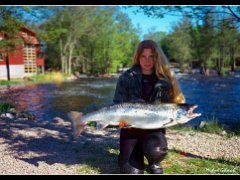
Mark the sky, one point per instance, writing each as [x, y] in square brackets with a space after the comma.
[149, 23]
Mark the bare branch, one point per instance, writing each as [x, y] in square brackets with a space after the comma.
[233, 13]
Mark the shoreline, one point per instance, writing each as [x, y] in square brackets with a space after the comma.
[32, 147]
[113, 76]
[195, 72]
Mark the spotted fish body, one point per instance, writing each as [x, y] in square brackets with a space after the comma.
[137, 115]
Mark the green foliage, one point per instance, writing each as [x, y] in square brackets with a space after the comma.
[155, 36]
[4, 106]
[211, 125]
[5, 82]
[178, 43]
[10, 24]
[213, 36]
[224, 71]
[51, 77]
[210, 63]
[183, 67]
[235, 129]
[115, 65]
[101, 39]
[182, 163]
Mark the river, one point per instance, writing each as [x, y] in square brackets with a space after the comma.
[217, 97]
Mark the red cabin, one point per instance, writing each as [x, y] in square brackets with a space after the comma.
[26, 59]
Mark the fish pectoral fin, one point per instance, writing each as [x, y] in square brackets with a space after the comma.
[168, 123]
[123, 123]
[101, 126]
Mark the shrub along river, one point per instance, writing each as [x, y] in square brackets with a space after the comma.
[217, 97]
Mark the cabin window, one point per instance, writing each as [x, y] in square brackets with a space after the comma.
[30, 65]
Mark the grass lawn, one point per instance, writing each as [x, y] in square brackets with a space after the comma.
[103, 160]
[51, 77]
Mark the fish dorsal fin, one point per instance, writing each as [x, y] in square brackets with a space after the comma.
[101, 126]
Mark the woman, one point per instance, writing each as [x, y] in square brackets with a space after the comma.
[149, 80]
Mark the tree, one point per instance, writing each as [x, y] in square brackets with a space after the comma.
[89, 39]
[214, 31]
[12, 19]
[10, 25]
[179, 43]
[203, 36]
[66, 27]
[126, 39]
[156, 36]
[196, 12]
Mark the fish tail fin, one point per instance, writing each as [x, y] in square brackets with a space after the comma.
[77, 124]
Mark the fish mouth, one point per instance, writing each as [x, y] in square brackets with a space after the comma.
[192, 114]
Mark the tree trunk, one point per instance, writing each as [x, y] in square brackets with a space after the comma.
[91, 60]
[84, 63]
[218, 63]
[71, 49]
[232, 58]
[61, 55]
[221, 60]
[70, 61]
[7, 65]
[64, 62]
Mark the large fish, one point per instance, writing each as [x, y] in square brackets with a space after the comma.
[137, 115]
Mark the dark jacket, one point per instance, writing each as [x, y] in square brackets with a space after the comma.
[129, 88]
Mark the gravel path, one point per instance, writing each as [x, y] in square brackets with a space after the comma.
[36, 148]
[30, 147]
[205, 145]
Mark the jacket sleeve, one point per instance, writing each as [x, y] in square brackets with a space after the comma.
[121, 92]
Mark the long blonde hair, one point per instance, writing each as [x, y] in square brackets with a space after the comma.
[161, 66]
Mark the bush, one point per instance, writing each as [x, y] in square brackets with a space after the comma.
[52, 77]
[12, 82]
[4, 106]
[212, 126]
[224, 71]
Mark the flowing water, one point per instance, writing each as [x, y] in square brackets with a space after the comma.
[217, 97]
